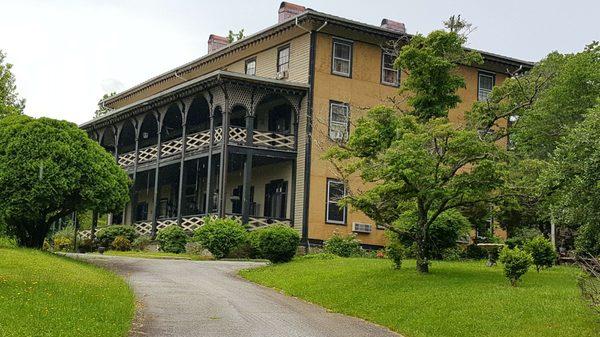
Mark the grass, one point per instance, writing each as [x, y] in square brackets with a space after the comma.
[42, 294]
[456, 299]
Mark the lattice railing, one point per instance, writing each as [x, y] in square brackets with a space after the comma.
[85, 234]
[259, 222]
[237, 135]
[147, 154]
[171, 147]
[272, 139]
[218, 134]
[127, 159]
[198, 140]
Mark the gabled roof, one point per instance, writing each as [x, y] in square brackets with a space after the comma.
[307, 16]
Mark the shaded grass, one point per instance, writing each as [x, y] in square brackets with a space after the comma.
[456, 299]
[42, 294]
[156, 255]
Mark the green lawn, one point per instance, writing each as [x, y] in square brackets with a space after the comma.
[459, 299]
[47, 295]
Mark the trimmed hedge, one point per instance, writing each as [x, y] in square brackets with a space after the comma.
[220, 236]
[107, 235]
[275, 243]
[172, 239]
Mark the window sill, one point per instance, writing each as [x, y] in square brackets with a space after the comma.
[335, 223]
[341, 74]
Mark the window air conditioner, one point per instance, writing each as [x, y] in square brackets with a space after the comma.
[281, 75]
[361, 227]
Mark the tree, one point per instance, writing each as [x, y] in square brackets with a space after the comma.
[423, 167]
[232, 37]
[572, 178]
[49, 169]
[433, 80]
[10, 103]
[541, 251]
[103, 109]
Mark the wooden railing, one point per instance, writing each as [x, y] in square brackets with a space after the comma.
[200, 140]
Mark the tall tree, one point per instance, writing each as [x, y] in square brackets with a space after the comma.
[49, 169]
[10, 103]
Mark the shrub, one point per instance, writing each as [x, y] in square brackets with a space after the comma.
[395, 252]
[121, 243]
[516, 263]
[8, 242]
[107, 235]
[46, 246]
[141, 242]
[172, 239]
[587, 240]
[62, 243]
[452, 254]
[541, 251]
[220, 236]
[85, 245]
[473, 251]
[194, 248]
[344, 246]
[276, 243]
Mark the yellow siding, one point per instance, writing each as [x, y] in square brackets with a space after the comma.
[362, 91]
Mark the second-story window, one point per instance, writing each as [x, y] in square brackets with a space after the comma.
[283, 60]
[485, 83]
[251, 66]
[341, 63]
[339, 119]
[389, 75]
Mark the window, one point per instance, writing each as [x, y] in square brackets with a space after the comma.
[341, 63]
[485, 84]
[339, 114]
[251, 66]
[335, 192]
[283, 59]
[389, 75]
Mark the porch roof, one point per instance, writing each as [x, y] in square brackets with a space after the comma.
[189, 88]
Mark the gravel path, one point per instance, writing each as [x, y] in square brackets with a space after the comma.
[197, 298]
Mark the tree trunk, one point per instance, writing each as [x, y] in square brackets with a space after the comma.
[32, 235]
[422, 256]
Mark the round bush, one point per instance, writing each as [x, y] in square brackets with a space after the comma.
[107, 235]
[276, 243]
[344, 246]
[516, 263]
[542, 252]
[141, 242]
[172, 239]
[220, 236]
[62, 243]
[121, 243]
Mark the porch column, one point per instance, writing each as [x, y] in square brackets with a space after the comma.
[246, 187]
[135, 166]
[116, 153]
[156, 170]
[292, 215]
[181, 167]
[224, 162]
[209, 185]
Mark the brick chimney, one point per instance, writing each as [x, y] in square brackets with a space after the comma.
[288, 10]
[393, 25]
[216, 42]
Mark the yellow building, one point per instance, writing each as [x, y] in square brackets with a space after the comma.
[241, 130]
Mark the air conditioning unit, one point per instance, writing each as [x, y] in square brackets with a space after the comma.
[359, 227]
[281, 75]
[337, 135]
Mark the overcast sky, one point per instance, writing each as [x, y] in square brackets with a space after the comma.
[67, 54]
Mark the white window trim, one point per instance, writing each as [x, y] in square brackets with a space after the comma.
[327, 220]
[246, 66]
[346, 124]
[349, 60]
[289, 56]
[383, 69]
[481, 90]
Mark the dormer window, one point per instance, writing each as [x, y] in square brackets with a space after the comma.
[251, 67]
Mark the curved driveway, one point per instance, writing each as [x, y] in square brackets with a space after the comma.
[197, 298]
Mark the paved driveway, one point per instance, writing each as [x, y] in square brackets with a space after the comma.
[193, 298]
